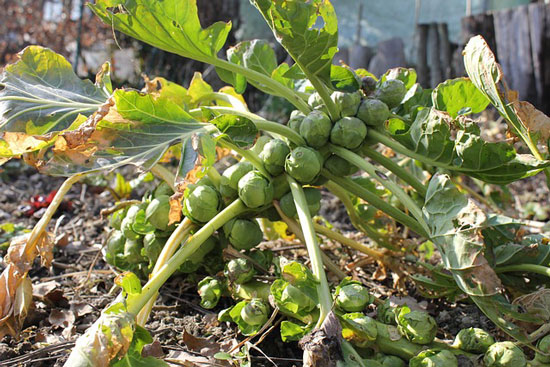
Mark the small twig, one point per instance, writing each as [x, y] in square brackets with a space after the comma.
[76, 274]
[30, 355]
[123, 204]
[262, 353]
[264, 327]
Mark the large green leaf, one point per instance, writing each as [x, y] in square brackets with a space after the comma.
[138, 130]
[459, 97]
[456, 144]
[308, 30]
[171, 25]
[42, 94]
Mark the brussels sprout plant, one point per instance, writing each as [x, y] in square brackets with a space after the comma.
[394, 154]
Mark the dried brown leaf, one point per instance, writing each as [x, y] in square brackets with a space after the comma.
[535, 121]
[176, 205]
[205, 346]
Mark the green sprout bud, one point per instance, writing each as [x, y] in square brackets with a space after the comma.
[504, 354]
[339, 166]
[152, 246]
[127, 223]
[114, 247]
[296, 118]
[163, 189]
[273, 156]
[434, 358]
[132, 251]
[391, 92]
[210, 289]
[386, 314]
[373, 112]
[201, 204]
[115, 220]
[304, 164]
[300, 300]
[239, 271]
[229, 180]
[157, 212]
[348, 103]
[391, 361]
[255, 312]
[313, 199]
[348, 132]
[315, 101]
[194, 261]
[255, 190]
[243, 234]
[544, 345]
[359, 329]
[351, 296]
[260, 143]
[315, 128]
[473, 340]
[280, 186]
[417, 326]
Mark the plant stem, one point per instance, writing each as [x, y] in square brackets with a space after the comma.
[195, 241]
[174, 241]
[375, 201]
[348, 242]
[214, 176]
[164, 174]
[323, 91]
[40, 227]
[325, 299]
[248, 155]
[409, 203]
[276, 87]
[532, 268]
[399, 171]
[262, 124]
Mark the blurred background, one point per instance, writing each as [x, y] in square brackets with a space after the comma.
[377, 35]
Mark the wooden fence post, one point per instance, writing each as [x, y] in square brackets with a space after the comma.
[422, 54]
[433, 55]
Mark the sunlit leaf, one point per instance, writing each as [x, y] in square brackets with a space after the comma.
[459, 96]
[133, 357]
[344, 79]
[239, 130]
[406, 75]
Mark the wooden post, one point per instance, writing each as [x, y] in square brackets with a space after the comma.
[537, 20]
[433, 55]
[422, 54]
[445, 50]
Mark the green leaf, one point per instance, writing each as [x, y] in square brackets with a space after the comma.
[139, 130]
[459, 97]
[198, 89]
[129, 282]
[133, 357]
[344, 79]
[171, 25]
[189, 158]
[431, 136]
[240, 130]
[295, 24]
[42, 94]
[291, 331]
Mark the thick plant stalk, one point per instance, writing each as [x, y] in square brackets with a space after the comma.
[174, 241]
[248, 155]
[323, 291]
[396, 169]
[385, 181]
[164, 174]
[532, 268]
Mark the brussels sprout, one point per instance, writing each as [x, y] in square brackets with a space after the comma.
[152, 246]
[304, 164]
[313, 199]
[386, 314]
[255, 312]
[296, 118]
[114, 247]
[416, 326]
[391, 361]
[315, 128]
[162, 189]
[210, 289]
[126, 225]
[132, 251]
[348, 132]
[434, 358]
[315, 101]
[293, 295]
[473, 340]
[543, 345]
[348, 103]
[359, 329]
[194, 261]
[371, 363]
[339, 166]
[260, 143]
[273, 156]
[391, 92]
[280, 186]
[115, 220]
[158, 211]
[239, 271]
[201, 204]
[255, 190]
[229, 180]
[373, 112]
[368, 83]
[504, 354]
[243, 234]
[351, 296]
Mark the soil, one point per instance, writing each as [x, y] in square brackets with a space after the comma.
[69, 295]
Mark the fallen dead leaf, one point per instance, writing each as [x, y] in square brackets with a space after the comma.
[81, 308]
[205, 346]
[63, 319]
